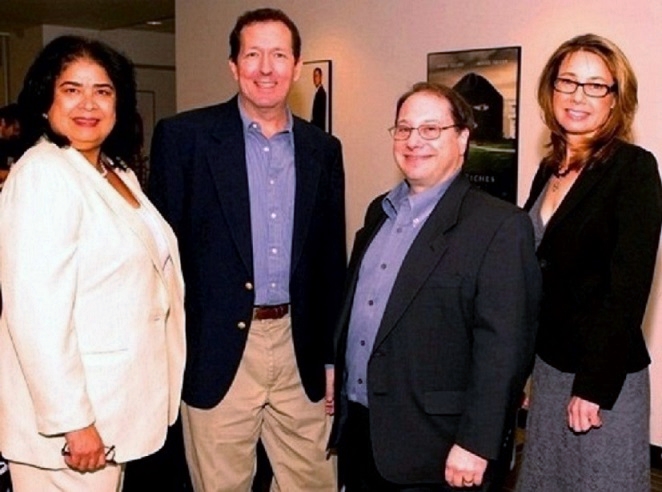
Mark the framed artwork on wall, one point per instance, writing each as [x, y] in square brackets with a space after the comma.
[310, 97]
[489, 79]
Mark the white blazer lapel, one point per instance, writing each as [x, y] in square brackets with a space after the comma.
[118, 205]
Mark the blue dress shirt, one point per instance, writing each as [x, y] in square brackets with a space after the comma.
[271, 186]
[406, 213]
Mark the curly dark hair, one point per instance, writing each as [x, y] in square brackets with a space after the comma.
[263, 15]
[124, 144]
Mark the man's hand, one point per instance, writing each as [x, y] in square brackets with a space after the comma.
[328, 398]
[85, 451]
[583, 415]
[463, 468]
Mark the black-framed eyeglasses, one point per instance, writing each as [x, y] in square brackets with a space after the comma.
[109, 452]
[591, 89]
[427, 132]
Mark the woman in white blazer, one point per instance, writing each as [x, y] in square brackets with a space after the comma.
[92, 341]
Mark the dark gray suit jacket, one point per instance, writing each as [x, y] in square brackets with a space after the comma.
[456, 340]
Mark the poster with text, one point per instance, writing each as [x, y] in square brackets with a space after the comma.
[489, 80]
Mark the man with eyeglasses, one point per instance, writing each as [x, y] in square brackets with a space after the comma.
[437, 331]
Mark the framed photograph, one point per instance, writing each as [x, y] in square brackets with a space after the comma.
[489, 80]
[310, 97]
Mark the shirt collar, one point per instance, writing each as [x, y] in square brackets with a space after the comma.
[251, 125]
[421, 204]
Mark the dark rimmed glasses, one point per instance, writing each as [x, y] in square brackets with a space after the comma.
[591, 89]
[427, 132]
[109, 452]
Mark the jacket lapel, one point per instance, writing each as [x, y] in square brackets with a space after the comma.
[422, 258]
[307, 169]
[117, 204]
[586, 181]
[226, 158]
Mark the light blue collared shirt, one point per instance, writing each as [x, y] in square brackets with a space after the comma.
[271, 185]
[406, 214]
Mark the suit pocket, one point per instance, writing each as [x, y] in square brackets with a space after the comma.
[444, 402]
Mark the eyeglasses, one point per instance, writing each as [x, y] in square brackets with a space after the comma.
[427, 132]
[109, 452]
[591, 89]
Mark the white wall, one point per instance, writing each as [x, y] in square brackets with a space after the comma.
[379, 49]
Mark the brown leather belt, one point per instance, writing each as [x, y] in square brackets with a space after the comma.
[270, 312]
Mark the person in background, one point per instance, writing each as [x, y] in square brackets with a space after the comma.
[596, 204]
[10, 131]
[256, 198]
[92, 344]
[437, 330]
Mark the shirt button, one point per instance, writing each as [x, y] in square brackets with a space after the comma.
[274, 251]
[271, 181]
[273, 285]
[266, 149]
[360, 381]
[371, 302]
[383, 266]
[241, 325]
[398, 230]
[273, 215]
[416, 221]
[362, 342]
[248, 285]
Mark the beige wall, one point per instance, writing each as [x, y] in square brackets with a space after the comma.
[379, 48]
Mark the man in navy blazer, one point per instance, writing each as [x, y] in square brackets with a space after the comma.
[256, 198]
[437, 329]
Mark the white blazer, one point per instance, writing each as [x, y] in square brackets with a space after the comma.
[92, 329]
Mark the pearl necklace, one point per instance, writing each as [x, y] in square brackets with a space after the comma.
[101, 167]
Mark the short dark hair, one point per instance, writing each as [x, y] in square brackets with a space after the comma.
[124, 143]
[263, 15]
[317, 70]
[461, 112]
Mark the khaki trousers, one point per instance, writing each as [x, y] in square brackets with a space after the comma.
[266, 400]
[28, 478]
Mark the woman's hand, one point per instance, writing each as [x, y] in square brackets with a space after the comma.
[583, 415]
[84, 450]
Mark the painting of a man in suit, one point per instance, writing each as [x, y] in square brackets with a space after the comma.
[319, 101]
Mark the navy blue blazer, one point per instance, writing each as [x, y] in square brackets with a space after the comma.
[456, 341]
[199, 183]
[597, 258]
